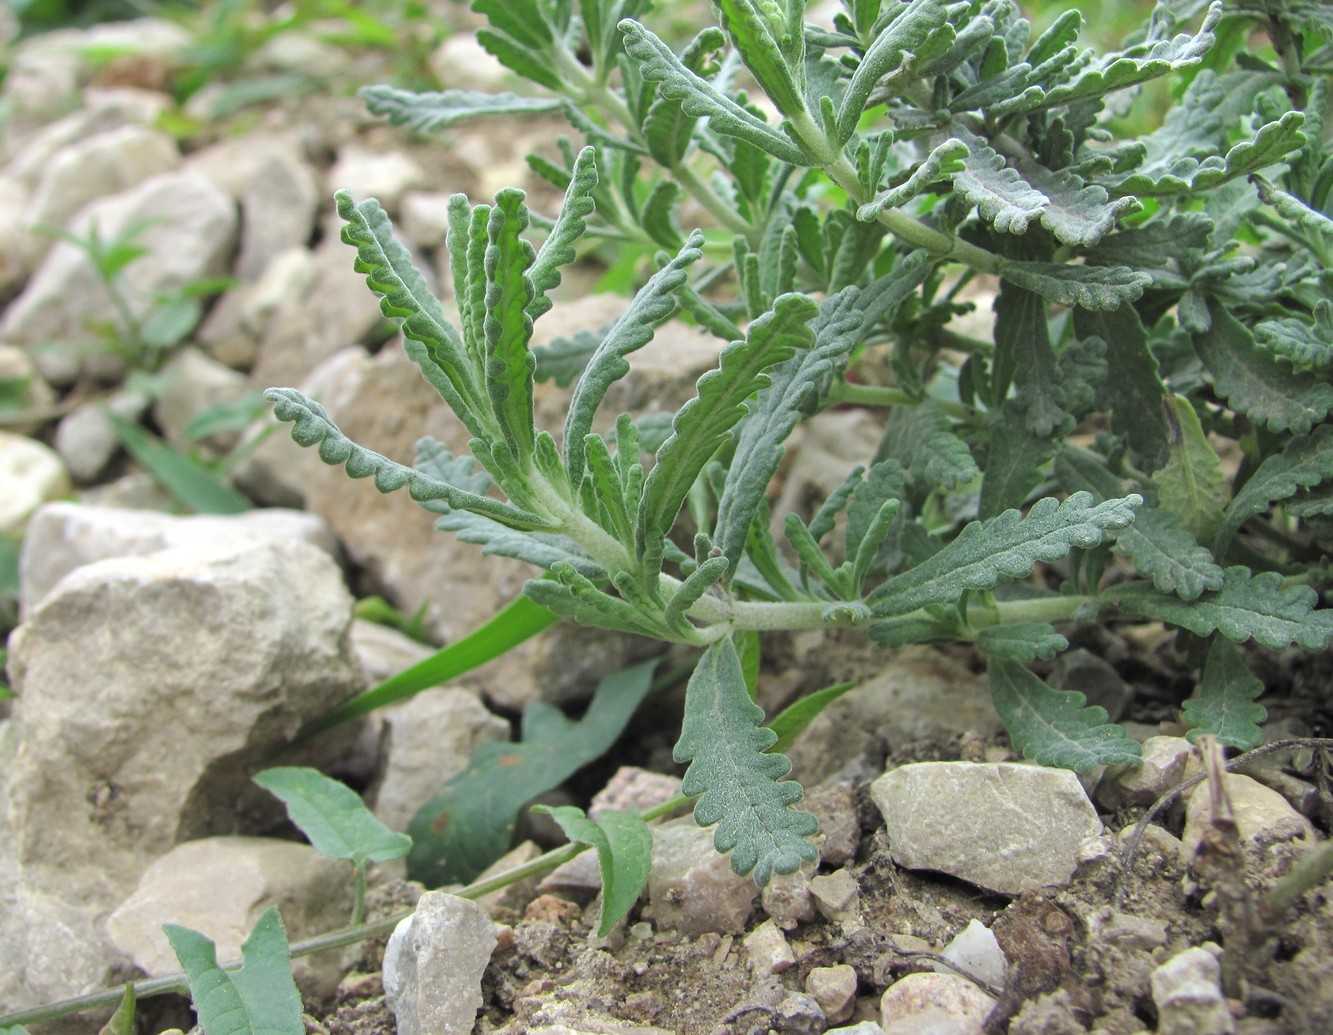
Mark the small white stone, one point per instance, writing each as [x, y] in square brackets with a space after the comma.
[1187, 990]
[1261, 813]
[768, 950]
[834, 989]
[931, 1002]
[836, 894]
[976, 951]
[30, 474]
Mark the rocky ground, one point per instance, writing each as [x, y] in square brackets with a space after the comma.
[159, 660]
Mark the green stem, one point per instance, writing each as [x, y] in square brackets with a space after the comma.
[359, 898]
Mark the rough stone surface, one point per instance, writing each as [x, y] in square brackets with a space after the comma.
[239, 321]
[834, 989]
[910, 1003]
[767, 949]
[278, 211]
[86, 438]
[193, 383]
[64, 536]
[14, 238]
[433, 965]
[975, 950]
[384, 176]
[691, 886]
[1261, 813]
[1163, 767]
[30, 474]
[1187, 990]
[1001, 826]
[836, 895]
[787, 899]
[220, 886]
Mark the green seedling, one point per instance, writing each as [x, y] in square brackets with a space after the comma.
[122, 1021]
[336, 821]
[624, 846]
[920, 150]
[260, 998]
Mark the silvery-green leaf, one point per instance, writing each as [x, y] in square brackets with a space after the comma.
[1298, 341]
[1224, 704]
[1305, 461]
[1086, 287]
[426, 112]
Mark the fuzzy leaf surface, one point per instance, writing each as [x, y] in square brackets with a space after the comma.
[508, 324]
[624, 847]
[1005, 547]
[1300, 342]
[558, 248]
[1055, 727]
[1304, 462]
[738, 781]
[429, 111]
[332, 816]
[1132, 381]
[1224, 703]
[1164, 552]
[1021, 642]
[1085, 287]
[1191, 486]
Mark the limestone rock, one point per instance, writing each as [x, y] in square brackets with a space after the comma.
[278, 212]
[87, 440]
[691, 886]
[1262, 815]
[767, 949]
[383, 175]
[30, 474]
[194, 383]
[1002, 826]
[1187, 990]
[920, 1002]
[220, 886]
[234, 328]
[834, 989]
[1163, 767]
[65, 536]
[433, 965]
[975, 950]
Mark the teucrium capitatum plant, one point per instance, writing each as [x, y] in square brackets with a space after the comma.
[915, 146]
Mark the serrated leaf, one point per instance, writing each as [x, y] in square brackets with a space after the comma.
[1076, 212]
[1191, 486]
[332, 816]
[702, 424]
[738, 781]
[1292, 208]
[1247, 606]
[1015, 458]
[657, 63]
[1161, 240]
[771, 42]
[890, 52]
[530, 62]
[1002, 197]
[924, 441]
[633, 330]
[1300, 342]
[1005, 547]
[1136, 391]
[1022, 642]
[1169, 555]
[1023, 355]
[1224, 704]
[312, 426]
[259, 999]
[427, 112]
[1054, 727]
[574, 596]
[558, 248]
[507, 324]
[468, 824]
[624, 846]
[945, 161]
[1304, 462]
[1085, 287]
[1253, 382]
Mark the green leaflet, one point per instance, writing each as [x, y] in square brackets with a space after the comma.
[653, 304]
[1247, 606]
[259, 999]
[1136, 391]
[574, 596]
[1005, 547]
[520, 37]
[703, 423]
[558, 249]
[891, 52]
[946, 160]
[1300, 342]
[1304, 462]
[431, 111]
[1085, 287]
[1254, 383]
[792, 721]
[1292, 208]
[1224, 704]
[312, 426]
[121, 1022]
[1191, 486]
[467, 825]
[507, 324]
[792, 392]
[1003, 198]
[771, 42]
[739, 783]
[657, 63]
[1024, 356]
[333, 816]
[190, 482]
[1021, 642]
[924, 440]
[1169, 555]
[624, 847]
[1159, 241]
[1053, 727]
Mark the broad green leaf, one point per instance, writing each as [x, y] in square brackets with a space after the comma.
[771, 42]
[653, 304]
[1004, 547]
[190, 482]
[792, 721]
[1304, 462]
[1298, 341]
[1076, 212]
[1247, 606]
[332, 816]
[738, 781]
[1191, 486]
[1169, 555]
[1022, 642]
[259, 999]
[406, 299]
[1224, 703]
[1085, 287]
[558, 248]
[508, 324]
[1054, 727]
[1254, 383]
[121, 1022]
[703, 423]
[1002, 197]
[657, 63]
[468, 824]
[1136, 391]
[624, 847]
[518, 621]
[793, 393]
[429, 111]
[312, 426]
[1156, 243]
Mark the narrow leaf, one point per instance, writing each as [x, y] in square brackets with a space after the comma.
[738, 780]
[1224, 704]
[792, 721]
[1169, 555]
[190, 482]
[1137, 394]
[1300, 342]
[1087, 287]
[558, 248]
[1053, 727]
[945, 161]
[430, 111]
[624, 847]
[332, 816]
[121, 1022]
[891, 51]
[508, 325]
[773, 53]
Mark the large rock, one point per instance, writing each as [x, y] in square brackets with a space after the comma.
[1004, 826]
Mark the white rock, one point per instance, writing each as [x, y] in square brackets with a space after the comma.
[425, 216]
[836, 895]
[1187, 990]
[14, 236]
[767, 950]
[193, 384]
[220, 886]
[787, 899]
[691, 886]
[103, 110]
[433, 966]
[1261, 814]
[383, 175]
[1163, 767]
[426, 740]
[461, 61]
[1002, 826]
[81, 172]
[30, 474]
[934, 1003]
[85, 437]
[64, 536]
[834, 989]
[239, 321]
[278, 212]
[976, 950]
[863, 1028]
